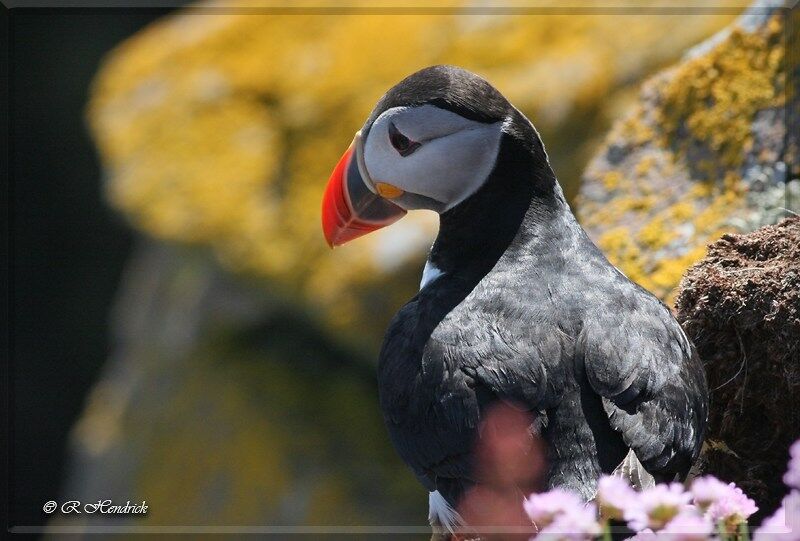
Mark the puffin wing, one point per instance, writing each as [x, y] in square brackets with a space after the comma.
[432, 436]
[477, 359]
[469, 363]
[652, 383]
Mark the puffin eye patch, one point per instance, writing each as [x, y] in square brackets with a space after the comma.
[402, 144]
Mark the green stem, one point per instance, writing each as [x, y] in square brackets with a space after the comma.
[607, 531]
[723, 532]
[744, 531]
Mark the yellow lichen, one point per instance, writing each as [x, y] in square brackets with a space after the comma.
[632, 130]
[714, 97]
[625, 252]
[221, 128]
[657, 233]
[611, 180]
[689, 135]
[686, 225]
[644, 166]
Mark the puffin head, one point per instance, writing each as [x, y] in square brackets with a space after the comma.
[431, 142]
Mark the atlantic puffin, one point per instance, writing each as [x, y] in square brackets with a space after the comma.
[516, 303]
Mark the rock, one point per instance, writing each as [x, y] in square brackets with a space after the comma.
[706, 150]
[740, 305]
[225, 405]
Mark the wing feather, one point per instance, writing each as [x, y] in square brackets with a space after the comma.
[651, 381]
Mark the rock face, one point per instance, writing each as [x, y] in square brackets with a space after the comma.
[224, 405]
[707, 149]
[741, 306]
[712, 148]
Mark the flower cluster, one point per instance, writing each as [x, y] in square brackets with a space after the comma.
[784, 525]
[707, 509]
[559, 514]
[655, 508]
[792, 477]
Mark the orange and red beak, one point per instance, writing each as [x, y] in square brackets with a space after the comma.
[350, 208]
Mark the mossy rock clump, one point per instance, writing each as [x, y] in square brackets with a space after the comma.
[740, 305]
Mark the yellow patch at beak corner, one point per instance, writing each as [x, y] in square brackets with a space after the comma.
[388, 191]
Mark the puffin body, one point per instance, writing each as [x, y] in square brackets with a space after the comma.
[517, 305]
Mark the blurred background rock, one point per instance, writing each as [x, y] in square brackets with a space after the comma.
[239, 386]
[67, 246]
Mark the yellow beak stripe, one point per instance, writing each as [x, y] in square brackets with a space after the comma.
[388, 191]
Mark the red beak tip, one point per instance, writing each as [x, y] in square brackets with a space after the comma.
[341, 222]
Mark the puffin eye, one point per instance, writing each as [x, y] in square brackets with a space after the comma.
[402, 144]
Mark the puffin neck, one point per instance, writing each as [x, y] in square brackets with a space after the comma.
[520, 201]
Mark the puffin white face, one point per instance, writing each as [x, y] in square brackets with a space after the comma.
[427, 157]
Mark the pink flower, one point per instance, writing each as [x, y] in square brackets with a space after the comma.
[792, 476]
[545, 507]
[707, 490]
[722, 502]
[574, 524]
[645, 535]
[687, 526]
[614, 495]
[791, 504]
[773, 528]
[657, 506]
[731, 508]
[784, 525]
[562, 515]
